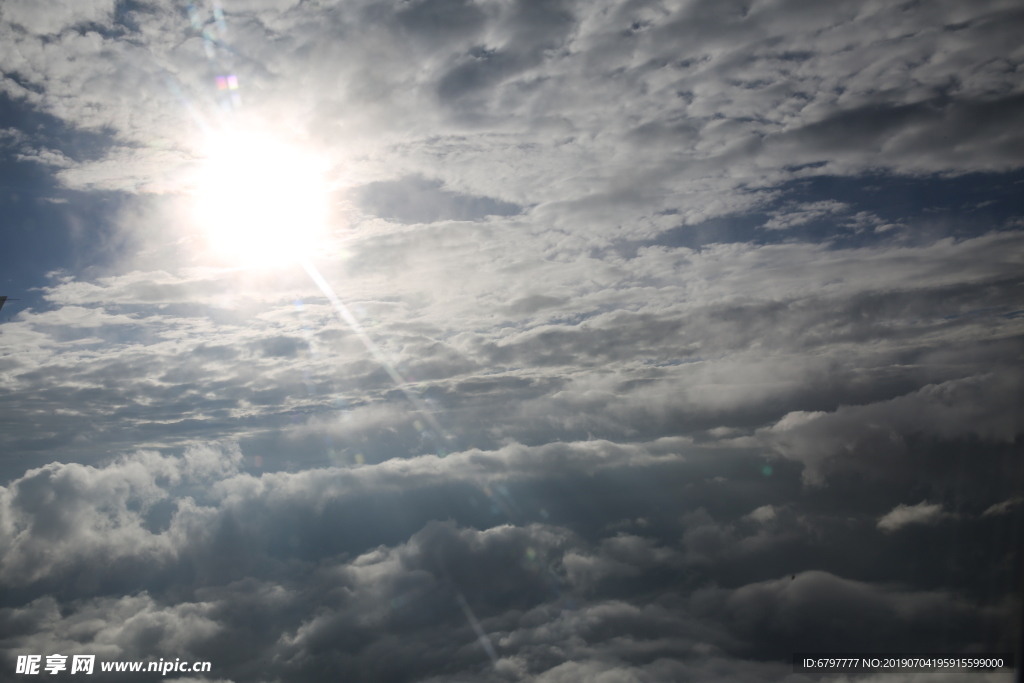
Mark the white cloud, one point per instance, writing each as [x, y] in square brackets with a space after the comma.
[66, 519]
[51, 17]
[517, 101]
[670, 340]
[904, 515]
[763, 514]
[1002, 507]
[804, 213]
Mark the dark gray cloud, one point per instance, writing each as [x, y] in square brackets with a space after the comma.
[243, 573]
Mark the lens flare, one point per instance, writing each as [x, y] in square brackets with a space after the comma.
[260, 202]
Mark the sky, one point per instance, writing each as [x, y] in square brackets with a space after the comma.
[510, 340]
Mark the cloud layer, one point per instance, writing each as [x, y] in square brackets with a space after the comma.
[154, 556]
[689, 336]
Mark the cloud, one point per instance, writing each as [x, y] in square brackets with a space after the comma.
[624, 555]
[419, 200]
[111, 628]
[367, 599]
[763, 514]
[61, 520]
[1003, 507]
[777, 89]
[905, 515]
[671, 340]
[684, 301]
[157, 556]
[860, 436]
[804, 213]
[796, 608]
[51, 20]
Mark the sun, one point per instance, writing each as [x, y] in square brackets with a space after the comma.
[260, 201]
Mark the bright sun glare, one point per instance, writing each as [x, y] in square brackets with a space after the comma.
[261, 202]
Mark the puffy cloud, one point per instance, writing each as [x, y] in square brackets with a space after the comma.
[131, 627]
[905, 515]
[623, 555]
[763, 514]
[188, 557]
[63, 517]
[145, 512]
[863, 436]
